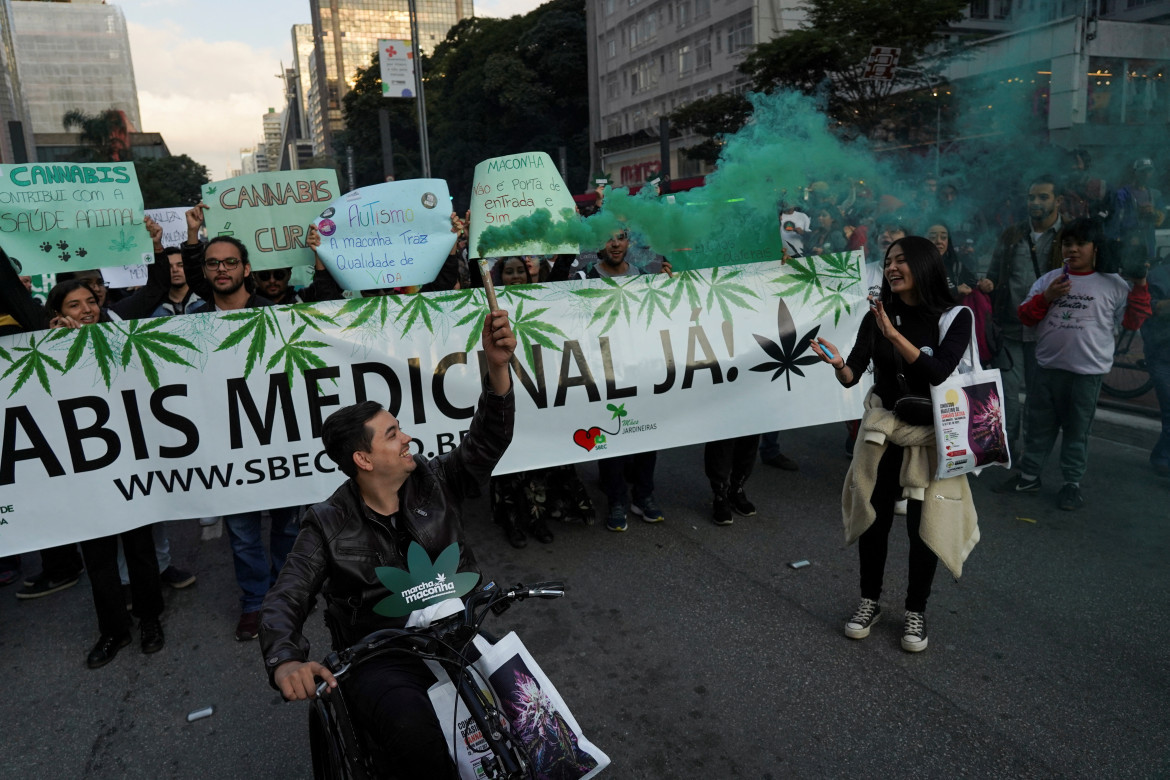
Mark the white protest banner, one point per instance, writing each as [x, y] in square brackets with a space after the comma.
[507, 188]
[173, 221]
[210, 414]
[125, 276]
[395, 234]
[396, 63]
[72, 217]
[270, 213]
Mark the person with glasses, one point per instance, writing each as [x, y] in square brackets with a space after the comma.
[225, 269]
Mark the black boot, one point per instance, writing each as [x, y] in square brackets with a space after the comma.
[540, 531]
[721, 514]
[736, 498]
[505, 517]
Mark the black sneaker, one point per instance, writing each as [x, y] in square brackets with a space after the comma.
[1017, 484]
[151, 635]
[721, 511]
[868, 612]
[105, 650]
[739, 502]
[176, 577]
[914, 632]
[1070, 497]
[43, 585]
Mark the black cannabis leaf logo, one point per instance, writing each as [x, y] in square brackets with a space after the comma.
[786, 356]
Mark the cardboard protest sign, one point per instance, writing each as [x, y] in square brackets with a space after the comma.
[270, 213]
[173, 221]
[396, 63]
[394, 234]
[507, 188]
[124, 276]
[72, 217]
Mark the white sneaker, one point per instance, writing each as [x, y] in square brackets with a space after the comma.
[914, 632]
[868, 612]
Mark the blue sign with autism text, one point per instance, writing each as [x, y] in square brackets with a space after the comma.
[395, 234]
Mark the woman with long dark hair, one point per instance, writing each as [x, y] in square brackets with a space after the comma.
[894, 457]
[73, 304]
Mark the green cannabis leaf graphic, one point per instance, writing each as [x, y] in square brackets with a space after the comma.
[123, 243]
[309, 315]
[686, 283]
[439, 580]
[148, 342]
[418, 306]
[367, 308]
[96, 335]
[256, 329]
[528, 330]
[34, 361]
[655, 298]
[786, 355]
[828, 276]
[724, 290]
[297, 355]
[616, 301]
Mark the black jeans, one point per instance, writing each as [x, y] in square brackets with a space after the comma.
[730, 460]
[872, 545]
[388, 696]
[613, 472]
[101, 559]
[60, 563]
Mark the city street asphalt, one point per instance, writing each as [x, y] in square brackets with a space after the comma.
[690, 650]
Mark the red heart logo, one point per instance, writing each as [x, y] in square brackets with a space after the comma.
[583, 438]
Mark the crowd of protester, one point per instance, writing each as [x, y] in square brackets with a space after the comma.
[1009, 261]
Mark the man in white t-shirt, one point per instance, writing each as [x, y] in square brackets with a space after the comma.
[793, 227]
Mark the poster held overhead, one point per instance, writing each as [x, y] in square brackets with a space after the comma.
[508, 188]
[71, 217]
[270, 213]
[395, 234]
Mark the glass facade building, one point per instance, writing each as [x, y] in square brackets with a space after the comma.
[345, 38]
[74, 55]
[16, 135]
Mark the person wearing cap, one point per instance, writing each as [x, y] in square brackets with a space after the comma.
[1024, 252]
[794, 225]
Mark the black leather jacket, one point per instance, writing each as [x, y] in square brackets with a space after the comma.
[341, 542]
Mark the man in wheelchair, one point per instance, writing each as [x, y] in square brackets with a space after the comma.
[392, 498]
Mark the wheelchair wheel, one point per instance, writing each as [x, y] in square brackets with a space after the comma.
[325, 744]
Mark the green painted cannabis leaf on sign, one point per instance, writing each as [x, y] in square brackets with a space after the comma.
[123, 243]
[423, 583]
[827, 276]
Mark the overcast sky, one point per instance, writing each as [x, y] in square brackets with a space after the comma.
[207, 71]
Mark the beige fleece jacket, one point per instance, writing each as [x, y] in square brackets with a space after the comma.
[950, 525]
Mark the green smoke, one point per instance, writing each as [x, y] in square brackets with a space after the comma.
[787, 144]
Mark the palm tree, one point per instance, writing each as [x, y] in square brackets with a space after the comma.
[107, 135]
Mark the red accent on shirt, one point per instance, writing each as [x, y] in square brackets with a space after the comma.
[1033, 310]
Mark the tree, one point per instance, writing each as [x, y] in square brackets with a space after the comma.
[360, 107]
[106, 136]
[826, 59]
[711, 117]
[493, 87]
[170, 181]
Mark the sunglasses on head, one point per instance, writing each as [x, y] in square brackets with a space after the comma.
[280, 274]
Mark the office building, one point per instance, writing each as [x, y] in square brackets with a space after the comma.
[1084, 74]
[345, 38]
[648, 57]
[74, 56]
[16, 134]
